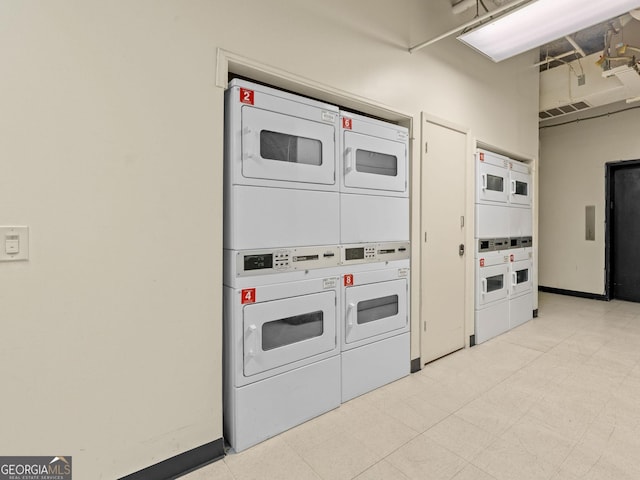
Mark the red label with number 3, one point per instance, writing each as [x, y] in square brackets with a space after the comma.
[348, 280]
[248, 295]
[482, 262]
[347, 123]
[246, 96]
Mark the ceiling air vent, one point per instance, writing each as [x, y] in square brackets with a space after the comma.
[563, 110]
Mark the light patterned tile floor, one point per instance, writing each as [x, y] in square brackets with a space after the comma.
[556, 399]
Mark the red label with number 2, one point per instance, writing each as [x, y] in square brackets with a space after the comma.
[246, 96]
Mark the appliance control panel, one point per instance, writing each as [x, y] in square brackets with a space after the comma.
[493, 244]
[259, 262]
[374, 252]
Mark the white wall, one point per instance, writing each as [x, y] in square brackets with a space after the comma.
[572, 176]
[111, 148]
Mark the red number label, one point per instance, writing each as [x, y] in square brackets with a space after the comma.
[248, 295]
[482, 262]
[348, 280]
[246, 96]
[511, 257]
[347, 123]
[481, 157]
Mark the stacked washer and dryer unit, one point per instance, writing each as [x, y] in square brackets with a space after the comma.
[316, 274]
[504, 245]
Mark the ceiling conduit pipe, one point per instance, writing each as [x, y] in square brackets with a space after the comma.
[473, 22]
[463, 6]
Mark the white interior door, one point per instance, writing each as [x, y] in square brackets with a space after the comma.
[442, 311]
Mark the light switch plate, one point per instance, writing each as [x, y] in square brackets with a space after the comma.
[14, 243]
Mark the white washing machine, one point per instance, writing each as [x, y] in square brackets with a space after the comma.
[375, 338]
[374, 180]
[281, 340]
[492, 288]
[281, 156]
[521, 289]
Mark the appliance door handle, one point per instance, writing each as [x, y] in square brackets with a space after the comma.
[253, 340]
[514, 279]
[484, 181]
[350, 308]
[348, 160]
[251, 139]
[513, 187]
[484, 285]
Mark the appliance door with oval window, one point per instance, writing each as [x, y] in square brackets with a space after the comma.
[374, 311]
[288, 332]
[521, 277]
[492, 284]
[375, 164]
[492, 184]
[285, 148]
[520, 188]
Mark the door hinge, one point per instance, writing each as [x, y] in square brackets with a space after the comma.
[425, 237]
[426, 147]
[461, 221]
[425, 325]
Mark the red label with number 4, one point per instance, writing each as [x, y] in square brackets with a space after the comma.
[246, 96]
[482, 262]
[348, 280]
[347, 123]
[248, 295]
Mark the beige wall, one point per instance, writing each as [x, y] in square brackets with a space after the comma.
[111, 148]
[572, 176]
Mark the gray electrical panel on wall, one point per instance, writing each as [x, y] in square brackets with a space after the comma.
[590, 223]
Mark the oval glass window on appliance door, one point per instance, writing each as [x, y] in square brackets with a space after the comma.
[493, 284]
[375, 309]
[288, 330]
[374, 163]
[491, 184]
[521, 276]
[520, 188]
[285, 148]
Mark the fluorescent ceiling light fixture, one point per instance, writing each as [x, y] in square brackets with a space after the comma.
[540, 22]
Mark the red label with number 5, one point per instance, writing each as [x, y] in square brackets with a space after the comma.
[248, 295]
[348, 280]
[246, 96]
[347, 123]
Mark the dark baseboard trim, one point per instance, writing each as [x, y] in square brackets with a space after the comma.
[573, 293]
[472, 341]
[415, 365]
[182, 464]
[535, 313]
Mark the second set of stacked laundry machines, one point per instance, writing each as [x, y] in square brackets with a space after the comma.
[504, 245]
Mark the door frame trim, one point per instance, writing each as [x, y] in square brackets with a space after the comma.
[610, 168]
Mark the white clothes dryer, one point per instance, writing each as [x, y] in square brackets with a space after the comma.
[492, 178]
[281, 354]
[281, 156]
[375, 338]
[492, 293]
[374, 180]
[521, 288]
